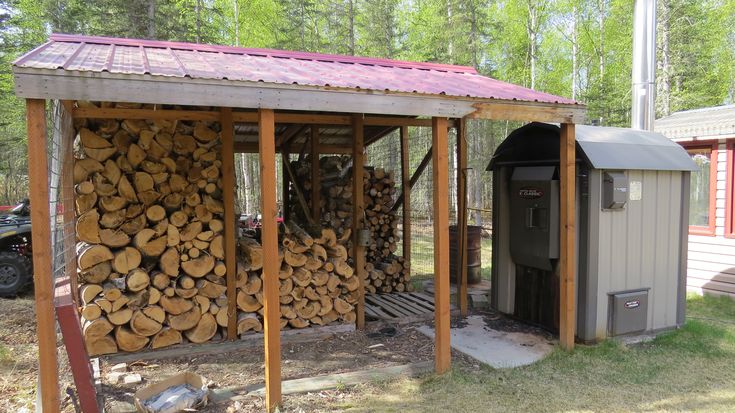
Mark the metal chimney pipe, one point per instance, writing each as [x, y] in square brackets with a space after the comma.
[644, 65]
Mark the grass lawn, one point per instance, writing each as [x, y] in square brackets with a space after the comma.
[690, 369]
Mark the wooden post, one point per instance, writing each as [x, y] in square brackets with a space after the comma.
[567, 176]
[440, 173]
[406, 195]
[462, 216]
[68, 133]
[358, 213]
[285, 190]
[228, 187]
[316, 209]
[269, 212]
[38, 187]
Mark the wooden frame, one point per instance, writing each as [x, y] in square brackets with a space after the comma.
[42, 252]
[271, 305]
[712, 146]
[462, 217]
[358, 213]
[406, 194]
[567, 225]
[228, 181]
[730, 189]
[440, 168]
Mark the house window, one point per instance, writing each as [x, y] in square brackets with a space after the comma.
[703, 188]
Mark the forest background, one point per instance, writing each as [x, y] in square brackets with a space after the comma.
[576, 48]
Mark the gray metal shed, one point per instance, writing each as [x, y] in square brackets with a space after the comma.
[632, 215]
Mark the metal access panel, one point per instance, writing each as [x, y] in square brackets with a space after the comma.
[534, 216]
[614, 190]
[628, 312]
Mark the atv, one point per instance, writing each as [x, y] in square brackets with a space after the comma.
[16, 267]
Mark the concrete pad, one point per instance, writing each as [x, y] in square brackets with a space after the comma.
[498, 349]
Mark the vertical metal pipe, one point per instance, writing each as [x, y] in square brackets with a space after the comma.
[644, 65]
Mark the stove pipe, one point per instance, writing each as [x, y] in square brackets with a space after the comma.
[644, 65]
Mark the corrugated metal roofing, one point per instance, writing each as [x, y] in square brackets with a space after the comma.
[603, 147]
[196, 61]
[706, 122]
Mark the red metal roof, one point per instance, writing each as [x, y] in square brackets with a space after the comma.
[211, 62]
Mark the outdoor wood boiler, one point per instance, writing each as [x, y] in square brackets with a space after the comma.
[632, 203]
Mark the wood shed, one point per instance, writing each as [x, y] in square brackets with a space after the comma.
[142, 112]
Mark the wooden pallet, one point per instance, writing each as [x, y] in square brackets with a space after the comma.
[399, 307]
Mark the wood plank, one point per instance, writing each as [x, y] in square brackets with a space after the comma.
[173, 114]
[567, 176]
[316, 209]
[389, 306]
[48, 373]
[414, 178]
[462, 215]
[331, 381]
[285, 188]
[375, 308]
[440, 174]
[358, 161]
[406, 194]
[247, 341]
[529, 111]
[423, 296]
[228, 188]
[406, 304]
[269, 238]
[422, 303]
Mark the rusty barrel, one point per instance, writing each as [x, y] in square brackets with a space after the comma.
[474, 257]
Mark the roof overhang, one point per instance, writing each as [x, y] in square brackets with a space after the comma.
[115, 87]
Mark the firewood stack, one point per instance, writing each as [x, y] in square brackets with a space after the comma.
[150, 233]
[317, 286]
[386, 272]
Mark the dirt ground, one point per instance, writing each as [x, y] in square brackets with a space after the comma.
[344, 352]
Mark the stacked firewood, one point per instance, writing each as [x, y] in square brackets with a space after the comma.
[386, 272]
[150, 253]
[317, 286]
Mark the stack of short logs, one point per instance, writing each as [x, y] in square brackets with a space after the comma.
[317, 286]
[386, 272]
[149, 227]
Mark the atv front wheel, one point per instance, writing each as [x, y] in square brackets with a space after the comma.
[15, 273]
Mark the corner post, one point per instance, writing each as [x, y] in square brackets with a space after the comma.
[38, 187]
[269, 212]
[228, 187]
[406, 196]
[440, 172]
[567, 177]
[358, 211]
[462, 215]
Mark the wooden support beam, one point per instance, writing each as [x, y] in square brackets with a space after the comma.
[114, 113]
[567, 178]
[67, 193]
[271, 305]
[462, 216]
[316, 209]
[440, 174]
[358, 212]
[252, 147]
[379, 135]
[228, 188]
[299, 191]
[38, 187]
[406, 195]
[290, 133]
[285, 189]
[414, 178]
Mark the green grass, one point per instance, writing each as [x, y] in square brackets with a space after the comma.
[690, 369]
[4, 354]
